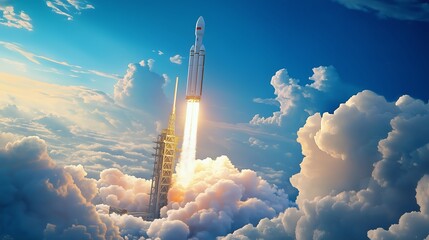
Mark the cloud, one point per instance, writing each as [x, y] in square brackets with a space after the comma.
[416, 10]
[35, 58]
[103, 74]
[11, 19]
[140, 88]
[166, 79]
[16, 48]
[150, 63]
[379, 151]
[287, 93]
[177, 59]
[412, 225]
[254, 142]
[34, 192]
[219, 194]
[124, 191]
[220, 198]
[302, 100]
[68, 8]
[324, 78]
[89, 128]
[18, 65]
[159, 52]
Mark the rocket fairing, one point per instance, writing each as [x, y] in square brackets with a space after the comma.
[196, 63]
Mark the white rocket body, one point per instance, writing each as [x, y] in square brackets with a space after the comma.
[196, 63]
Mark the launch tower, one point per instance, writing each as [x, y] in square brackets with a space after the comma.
[163, 167]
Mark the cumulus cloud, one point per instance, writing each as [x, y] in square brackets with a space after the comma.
[412, 225]
[177, 59]
[379, 151]
[219, 199]
[140, 88]
[287, 93]
[124, 191]
[37, 193]
[417, 10]
[12, 19]
[68, 8]
[291, 96]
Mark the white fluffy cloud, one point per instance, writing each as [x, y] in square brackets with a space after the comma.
[398, 9]
[140, 88]
[412, 225]
[177, 59]
[42, 201]
[68, 8]
[219, 199]
[292, 97]
[360, 168]
[124, 191]
[12, 19]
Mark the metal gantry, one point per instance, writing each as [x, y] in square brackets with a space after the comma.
[163, 167]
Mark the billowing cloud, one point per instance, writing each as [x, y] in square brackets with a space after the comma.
[177, 59]
[399, 9]
[12, 19]
[219, 199]
[412, 225]
[42, 201]
[68, 8]
[140, 88]
[291, 96]
[379, 151]
[124, 191]
[219, 194]
[287, 93]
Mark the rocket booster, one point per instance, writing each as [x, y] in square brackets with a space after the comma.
[196, 63]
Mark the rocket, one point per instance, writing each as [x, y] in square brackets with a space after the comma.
[196, 63]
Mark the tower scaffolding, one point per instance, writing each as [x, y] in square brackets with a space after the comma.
[163, 167]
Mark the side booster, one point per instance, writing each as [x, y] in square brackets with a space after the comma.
[196, 63]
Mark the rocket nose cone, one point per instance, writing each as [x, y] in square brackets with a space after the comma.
[200, 22]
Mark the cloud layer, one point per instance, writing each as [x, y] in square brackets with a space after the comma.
[378, 150]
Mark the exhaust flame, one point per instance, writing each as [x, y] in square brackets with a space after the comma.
[186, 166]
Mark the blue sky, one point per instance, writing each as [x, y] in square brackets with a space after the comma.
[94, 79]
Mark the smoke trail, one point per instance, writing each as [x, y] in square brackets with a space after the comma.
[185, 168]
